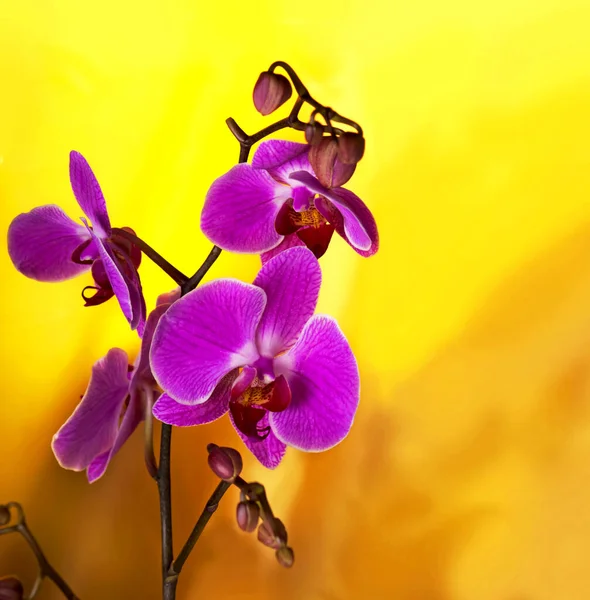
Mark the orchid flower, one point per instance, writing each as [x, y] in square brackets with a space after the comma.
[277, 202]
[115, 402]
[286, 377]
[46, 245]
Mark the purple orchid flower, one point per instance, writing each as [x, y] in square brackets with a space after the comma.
[116, 401]
[46, 245]
[277, 202]
[286, 377]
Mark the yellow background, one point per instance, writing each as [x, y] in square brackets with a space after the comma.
[467, 473]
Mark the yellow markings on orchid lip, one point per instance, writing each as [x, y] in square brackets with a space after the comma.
[310, 217]
[256, 394]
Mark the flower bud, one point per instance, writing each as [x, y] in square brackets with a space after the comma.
[351, 147]
[11, 589]
[271, 90]
[270, 539]
[314, 133]
[247, 515]
[285, 556]
[226, 463]
[4, 515]
[325, 162]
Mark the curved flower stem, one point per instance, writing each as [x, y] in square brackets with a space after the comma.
[168, 268]
[207, 513]
[191, 283]
[45, 567]
[171, 570]
[148, 435]
[164, 489]
[328, 113]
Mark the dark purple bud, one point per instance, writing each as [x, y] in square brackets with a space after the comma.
[271, 90]
[4, 515]
[327, 166]
[351, 147]
[11, 589]
[226, 463]
[272, 539]
[248, 514]
[285, 556]
[314, 133]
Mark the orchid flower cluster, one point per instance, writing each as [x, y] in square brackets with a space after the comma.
[253, 350]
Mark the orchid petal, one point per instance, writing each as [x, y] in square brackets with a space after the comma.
[273, 154]
[359, 227]
[134, 414]
[291, 282]
[281, 158]
[240, 210]
[269, 451]
[355, 216]
[142, 373]
[89, 195]
[126, 287]
[323, 376]
[92, 427]
[289, 241]
[42, 241]
[171, 412]
[203, 336]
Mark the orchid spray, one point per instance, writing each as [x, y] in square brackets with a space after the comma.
[255, 351]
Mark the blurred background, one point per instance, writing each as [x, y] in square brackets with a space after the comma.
[467, 473]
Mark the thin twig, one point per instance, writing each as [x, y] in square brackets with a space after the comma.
[156, 257]
[45, 567]
[207, 513]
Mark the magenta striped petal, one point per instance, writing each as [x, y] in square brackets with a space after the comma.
[281, 158]
[358, 228]
[89, 195]
[125, 283]
[205, 335]
[171, 412]
[92, 428]
[291, 282]
[323, 376]
[42, 241]
[240, 210]
[134, 415]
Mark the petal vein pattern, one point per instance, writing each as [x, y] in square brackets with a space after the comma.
[203, 336]
[323, 376]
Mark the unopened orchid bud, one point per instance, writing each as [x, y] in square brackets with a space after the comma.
[226, 463]
[11, 589]
[271, 90]
[4, 515]
[285, 556]
[248, 514]
[329, 169]
[351, 147]
[314, 133]
[268, 538]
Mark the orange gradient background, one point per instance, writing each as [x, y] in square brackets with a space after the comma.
[467, 473]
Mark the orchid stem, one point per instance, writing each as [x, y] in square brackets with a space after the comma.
[207, 513]
[164, 489]
[191, 283]
[170, 569]
[45, 567]
[179, 277]
[148, 437]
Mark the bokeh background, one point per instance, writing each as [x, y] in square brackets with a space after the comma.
[467, 473]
